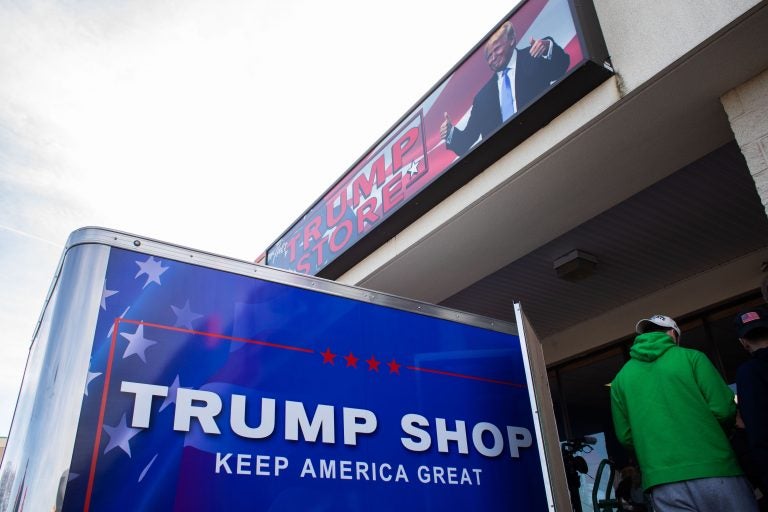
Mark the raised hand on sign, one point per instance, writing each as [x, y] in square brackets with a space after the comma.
[445, 128]
[539, 47]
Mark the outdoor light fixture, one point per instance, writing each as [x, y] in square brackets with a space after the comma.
[575, 266]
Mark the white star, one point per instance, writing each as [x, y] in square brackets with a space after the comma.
[91, 376]
[112, 326]
[120, 435]
[171, 396]
[153, 268]
[105, 294]
[185, 316]
[413, 168]
[137, 343]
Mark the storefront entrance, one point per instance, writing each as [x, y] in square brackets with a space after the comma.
[581, 392]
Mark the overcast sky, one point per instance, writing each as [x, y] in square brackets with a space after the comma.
[206, 123]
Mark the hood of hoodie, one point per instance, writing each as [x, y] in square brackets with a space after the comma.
[651, 346]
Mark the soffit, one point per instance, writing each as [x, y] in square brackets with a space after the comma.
[702, 216]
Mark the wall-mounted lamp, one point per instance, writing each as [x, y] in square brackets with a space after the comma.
[575, 266]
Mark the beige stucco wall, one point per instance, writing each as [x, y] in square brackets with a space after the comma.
[645, 37]
[747, 108]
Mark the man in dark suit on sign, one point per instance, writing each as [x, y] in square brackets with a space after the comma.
[519, 76]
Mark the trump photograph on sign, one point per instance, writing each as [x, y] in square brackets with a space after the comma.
[518, 77]
[524, 57]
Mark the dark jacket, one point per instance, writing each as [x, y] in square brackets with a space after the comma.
[752, 386]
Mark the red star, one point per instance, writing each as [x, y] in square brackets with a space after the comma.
[373, 364]
[351, 360]
[394, 366]
[328, 356]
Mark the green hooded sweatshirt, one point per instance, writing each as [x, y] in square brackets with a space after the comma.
[672, 408]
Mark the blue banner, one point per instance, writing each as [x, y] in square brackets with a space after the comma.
[209, 390]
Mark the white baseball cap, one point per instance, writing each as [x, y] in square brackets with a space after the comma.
[658, 320]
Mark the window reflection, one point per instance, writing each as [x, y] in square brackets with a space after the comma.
[585, 391]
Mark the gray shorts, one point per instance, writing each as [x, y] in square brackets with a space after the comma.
[716, 494]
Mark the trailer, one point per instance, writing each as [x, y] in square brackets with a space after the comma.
[165, 378]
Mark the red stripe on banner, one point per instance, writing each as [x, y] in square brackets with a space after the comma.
[221, 336]
[100, 423]
[463, 376]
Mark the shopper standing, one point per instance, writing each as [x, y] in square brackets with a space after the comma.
[672, 407]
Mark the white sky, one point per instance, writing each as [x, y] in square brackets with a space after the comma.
[207, 123]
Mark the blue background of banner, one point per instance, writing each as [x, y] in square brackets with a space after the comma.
[169, 470]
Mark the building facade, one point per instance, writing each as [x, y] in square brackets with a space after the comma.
[648, 195]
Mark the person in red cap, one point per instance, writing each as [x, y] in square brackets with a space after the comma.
[672, 407]
[752, 387]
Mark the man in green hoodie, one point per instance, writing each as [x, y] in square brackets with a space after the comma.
[672, 407]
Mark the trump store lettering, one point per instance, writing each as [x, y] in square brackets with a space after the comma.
[631, 181]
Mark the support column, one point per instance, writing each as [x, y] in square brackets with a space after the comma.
[747, 109]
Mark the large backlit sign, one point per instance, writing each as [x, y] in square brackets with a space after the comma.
[539, 48]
